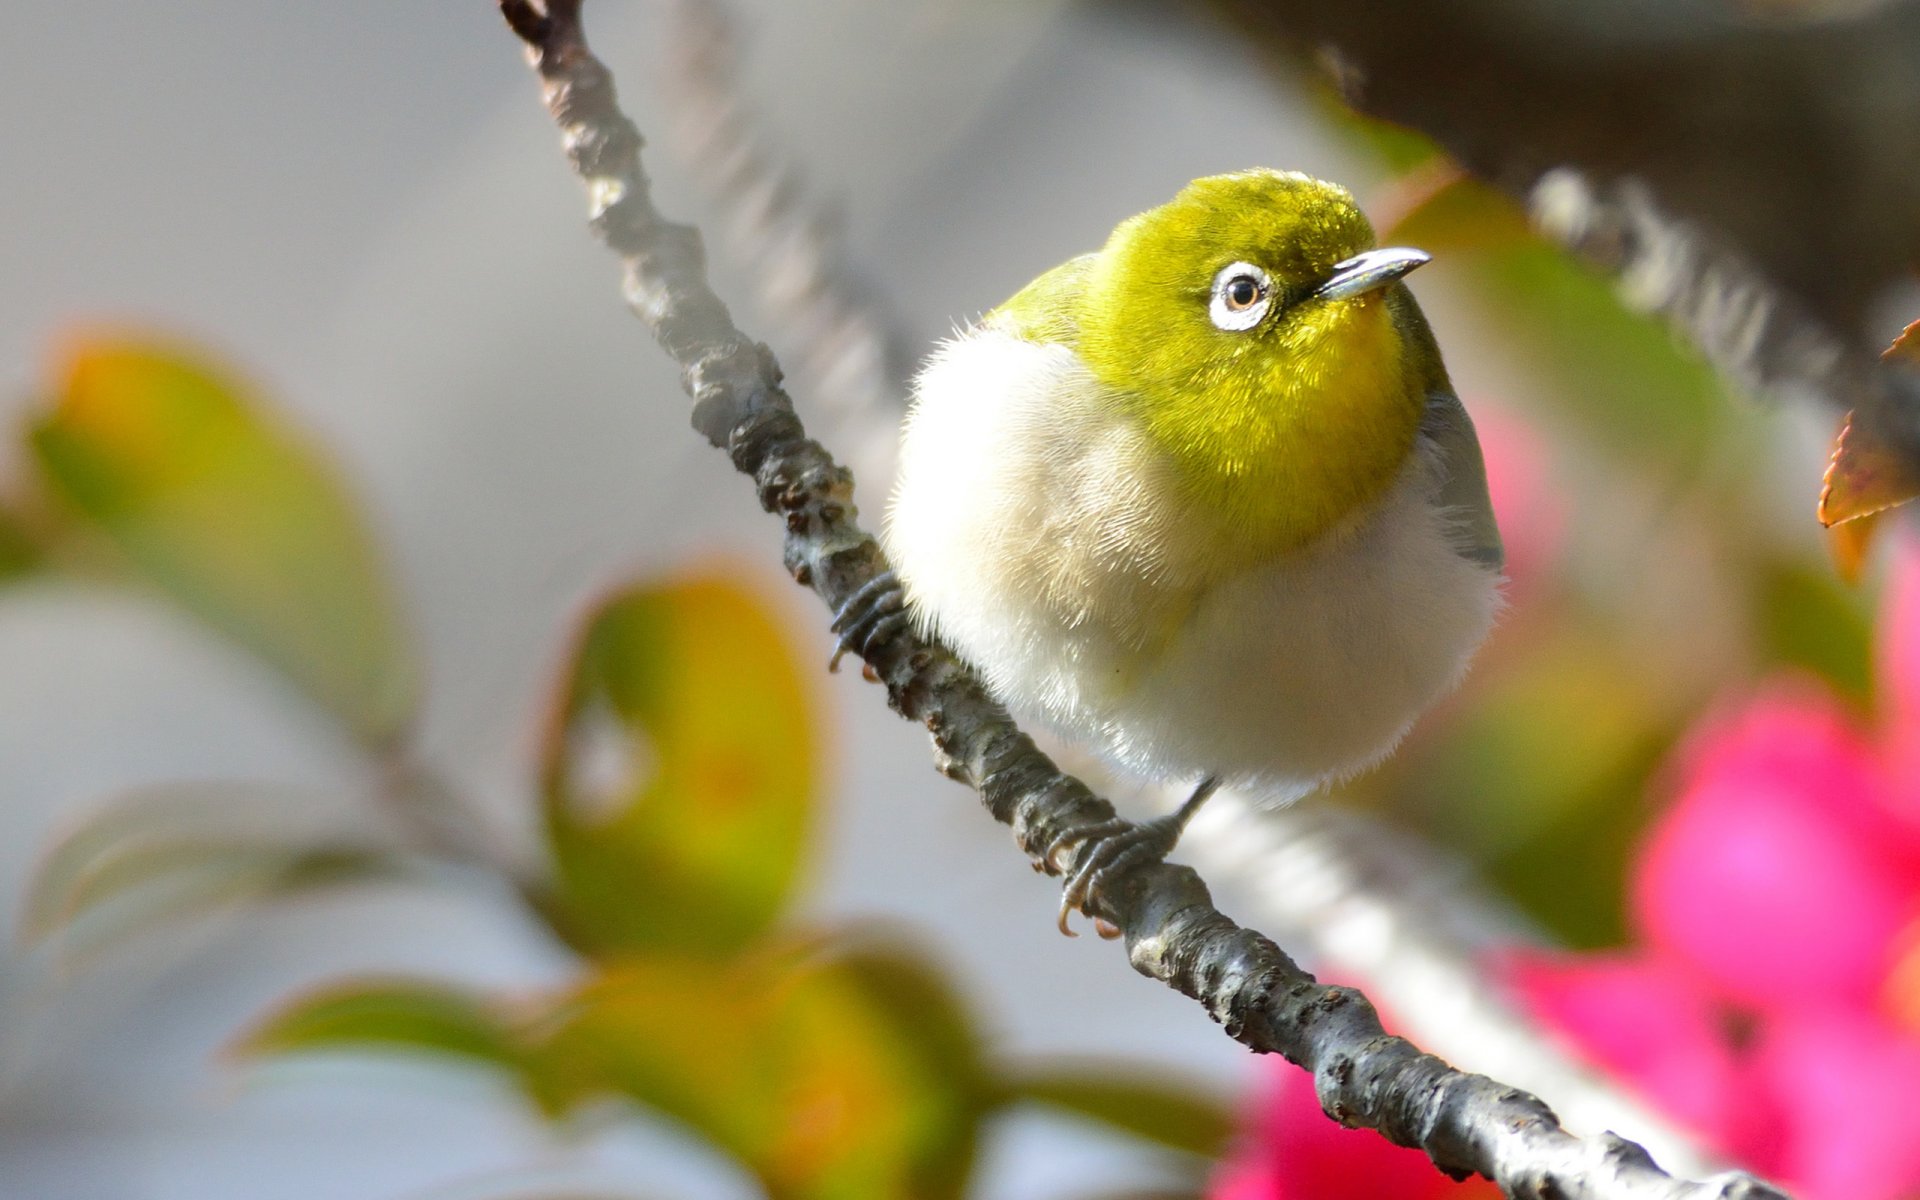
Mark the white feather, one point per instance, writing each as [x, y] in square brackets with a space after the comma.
[1039, 532]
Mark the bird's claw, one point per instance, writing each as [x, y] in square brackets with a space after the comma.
[869, 617]
[1117, 846]
[1110, 848]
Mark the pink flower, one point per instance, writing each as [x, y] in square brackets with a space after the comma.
[1772, 1004]
[1848, 1084]
[1780, 874]
[1649, 1024]
[1293, 1152]
[1527, 502]
[1775, 896]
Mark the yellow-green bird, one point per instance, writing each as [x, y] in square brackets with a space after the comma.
[1204, 501]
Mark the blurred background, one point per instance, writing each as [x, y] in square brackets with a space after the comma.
[393, 807]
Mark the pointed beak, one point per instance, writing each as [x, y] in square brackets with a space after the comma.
[1367, 271]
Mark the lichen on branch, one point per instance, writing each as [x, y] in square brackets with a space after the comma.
[1466, 1123]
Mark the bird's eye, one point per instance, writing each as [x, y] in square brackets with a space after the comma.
[1241, 294]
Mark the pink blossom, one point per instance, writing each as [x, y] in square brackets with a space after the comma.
[1293, 1152]
[1650, 1025]
[1530, 508]
[1848, 1084]
[1775, 895]
[1779, 873]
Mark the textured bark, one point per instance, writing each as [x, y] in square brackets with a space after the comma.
[1465, 1123]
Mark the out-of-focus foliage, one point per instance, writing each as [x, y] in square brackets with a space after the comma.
[679, 783]
[205, 497]
[1141, 1105]
[165, 853]
[400, 1014]
[680, 776]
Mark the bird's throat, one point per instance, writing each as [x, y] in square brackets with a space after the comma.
[1276, 450]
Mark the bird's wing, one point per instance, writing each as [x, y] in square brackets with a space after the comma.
[1462, 478]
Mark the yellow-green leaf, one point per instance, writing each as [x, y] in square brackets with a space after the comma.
[1445, 211]
[209, 499]
[1129, 1099]
[1807, 618]
[681, 772]
[168, 854]
[800, 1071]
[383, 1015]
[18, 554]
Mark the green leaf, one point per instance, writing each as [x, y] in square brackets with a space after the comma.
[1542, 779]
[1622, 375]
[1809, 619]
[1445, 211]
[681, 775]
[801, 1071]
[166, 855]
[18, 553]
[378, 1015]
[1397, 148]
[1130, 1100]
[237, 519]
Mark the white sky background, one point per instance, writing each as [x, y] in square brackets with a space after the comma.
[376, 222]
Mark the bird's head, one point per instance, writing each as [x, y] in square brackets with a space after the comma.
[1265, 345]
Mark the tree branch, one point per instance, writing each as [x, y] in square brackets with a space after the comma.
[1465, 1123]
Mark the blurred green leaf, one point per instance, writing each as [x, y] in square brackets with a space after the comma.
[1398, 148]
[1542, 780]
[1620, 374]
[168, 854]
[18, 554]
[387, 1014]
[1130, 1100]
[681, 774]
[208, 499]
[1444, 211]
[801, 1071]
[1810, 619]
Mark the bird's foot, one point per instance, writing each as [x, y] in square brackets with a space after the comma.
[869, 617]
[1112, 848]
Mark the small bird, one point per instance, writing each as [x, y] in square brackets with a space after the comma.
[1203, 501]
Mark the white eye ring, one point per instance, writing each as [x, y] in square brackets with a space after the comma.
[1226, 309]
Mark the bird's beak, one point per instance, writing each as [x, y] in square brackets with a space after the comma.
[1369, 270]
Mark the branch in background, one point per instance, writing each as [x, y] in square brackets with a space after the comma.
[1753, 332]
[1465, 1123]
[838, 346]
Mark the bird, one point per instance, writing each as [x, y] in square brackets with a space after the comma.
[1203, 501]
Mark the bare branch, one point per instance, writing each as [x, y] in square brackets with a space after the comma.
[1465, 1123]
[1388, 912]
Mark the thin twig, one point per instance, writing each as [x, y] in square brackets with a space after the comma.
[1465, 1123]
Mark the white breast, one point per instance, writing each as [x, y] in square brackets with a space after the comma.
[1037, 532]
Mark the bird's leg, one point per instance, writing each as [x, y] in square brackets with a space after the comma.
[870, 616]
[1118, 845]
